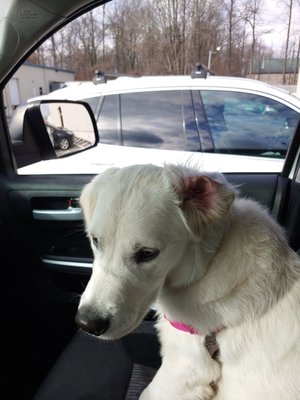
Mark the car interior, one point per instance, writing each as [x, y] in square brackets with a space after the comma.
[47, 261]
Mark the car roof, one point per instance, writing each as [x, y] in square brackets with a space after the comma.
[87, 89]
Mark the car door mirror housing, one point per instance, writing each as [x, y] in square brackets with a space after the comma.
[51, 129]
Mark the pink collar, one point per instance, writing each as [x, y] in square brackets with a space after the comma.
[189, 329]
[185, 328]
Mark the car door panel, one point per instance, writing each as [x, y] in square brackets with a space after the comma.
[52, 259]
[59, 241]
[53, 223]
[292, 218]
[289, 205]
[65, 251]
[38, 314]
[46, 256]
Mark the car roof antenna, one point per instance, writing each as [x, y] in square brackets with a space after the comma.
[99, 77]
[201, 71]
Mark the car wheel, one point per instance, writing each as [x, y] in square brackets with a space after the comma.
[64, 144]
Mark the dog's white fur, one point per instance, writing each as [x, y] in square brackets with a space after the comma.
[222, 262]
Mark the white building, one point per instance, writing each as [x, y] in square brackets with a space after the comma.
[33, 80]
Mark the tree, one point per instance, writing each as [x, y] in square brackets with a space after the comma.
[251, 14]
[233, 17]
[140, 37]
[290, 11]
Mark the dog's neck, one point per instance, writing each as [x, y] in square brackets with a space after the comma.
[198, 254]
[223, 295]
[191, 269]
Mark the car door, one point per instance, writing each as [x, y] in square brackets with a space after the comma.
[45, 265]
[37, 309]
[46, 261]
[49, 262]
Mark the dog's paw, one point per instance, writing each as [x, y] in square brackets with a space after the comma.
[205, 393]
[188, 385]
[196, 393]
[211, 374]
[184, 380]
[204, 385]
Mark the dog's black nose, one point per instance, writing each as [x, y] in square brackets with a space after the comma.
[91, 323]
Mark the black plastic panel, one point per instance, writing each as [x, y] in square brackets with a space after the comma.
[292, 217]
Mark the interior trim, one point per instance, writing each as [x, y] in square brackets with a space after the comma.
[70, 214]
[62, 264]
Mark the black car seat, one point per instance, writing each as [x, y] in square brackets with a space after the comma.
[90, 368]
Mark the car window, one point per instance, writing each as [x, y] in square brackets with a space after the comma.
[93, 103]
[249, 124]
[110, 71]
[108, 120]
[155, 120]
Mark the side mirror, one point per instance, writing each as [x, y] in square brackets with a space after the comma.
[51, 129]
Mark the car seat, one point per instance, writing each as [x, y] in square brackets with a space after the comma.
[90, 368]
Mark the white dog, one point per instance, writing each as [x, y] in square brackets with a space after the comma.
[217, 267]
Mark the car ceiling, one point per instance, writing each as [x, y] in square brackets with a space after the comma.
[23, 24]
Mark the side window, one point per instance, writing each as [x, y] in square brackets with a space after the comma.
[153, 120]
[249, 124]
[108, 120]
[93, 103]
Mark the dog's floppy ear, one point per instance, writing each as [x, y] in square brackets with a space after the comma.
[205, 201]
[198, 192]
[204, 198]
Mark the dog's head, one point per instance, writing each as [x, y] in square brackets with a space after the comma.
[143, 222]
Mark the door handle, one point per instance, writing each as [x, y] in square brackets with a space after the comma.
[68, 214]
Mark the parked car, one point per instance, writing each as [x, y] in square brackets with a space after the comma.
[210, 114]
[46, 257]
[224, 123]
[62, 138]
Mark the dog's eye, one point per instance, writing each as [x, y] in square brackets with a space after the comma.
[95, 241]
[145, 254]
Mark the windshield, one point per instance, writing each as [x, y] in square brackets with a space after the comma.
[247, 126]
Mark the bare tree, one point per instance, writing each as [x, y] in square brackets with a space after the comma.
[89, 38]
[126, 24]
[251, 14]
[233, 17]
[296, 70]
[171, 19]
[157, 37]
[290, 11]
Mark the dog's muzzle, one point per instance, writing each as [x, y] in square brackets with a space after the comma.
[91, 323]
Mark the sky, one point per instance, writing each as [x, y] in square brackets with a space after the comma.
[275, 19]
